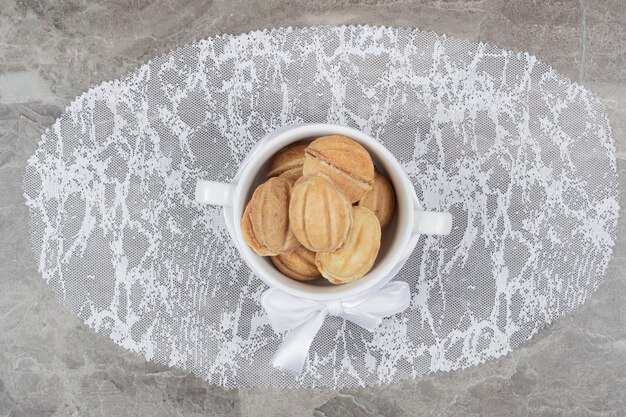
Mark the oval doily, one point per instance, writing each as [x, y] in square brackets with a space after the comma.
[522, 157]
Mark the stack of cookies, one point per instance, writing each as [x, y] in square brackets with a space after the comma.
[321, 211]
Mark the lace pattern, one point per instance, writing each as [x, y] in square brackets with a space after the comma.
[522, 157]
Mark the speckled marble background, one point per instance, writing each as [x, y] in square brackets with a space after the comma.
[53, 365]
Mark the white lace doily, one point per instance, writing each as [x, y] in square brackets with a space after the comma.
[522, 157]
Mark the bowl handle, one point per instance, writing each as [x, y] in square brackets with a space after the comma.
[432, 222]
[215, 193]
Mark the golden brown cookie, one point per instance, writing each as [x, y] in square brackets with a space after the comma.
[292, 174]
[344, 161]
[268, 215]
[249, 237]
[288, 161]
[356, 257]
[381, 200]
[299, 264]
[320, 215]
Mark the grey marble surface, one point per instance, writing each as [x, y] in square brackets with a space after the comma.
[53, 365]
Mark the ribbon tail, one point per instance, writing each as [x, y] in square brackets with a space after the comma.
[294, 350]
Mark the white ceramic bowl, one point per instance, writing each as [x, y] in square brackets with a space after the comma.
[398, 240]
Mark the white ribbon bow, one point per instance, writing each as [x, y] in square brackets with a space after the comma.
[305, 317]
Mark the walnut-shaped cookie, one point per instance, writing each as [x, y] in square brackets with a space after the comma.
[344, 161]
[287, 163]
[381, 199]
[298, 265]
[265, 223]
[320, 215]
[250, 238]
[356, 257]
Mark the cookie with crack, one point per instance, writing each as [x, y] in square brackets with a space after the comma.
[344, 161]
